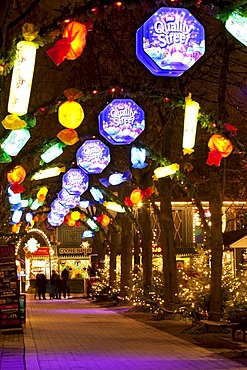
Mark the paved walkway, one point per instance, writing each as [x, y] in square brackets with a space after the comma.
[76, 335]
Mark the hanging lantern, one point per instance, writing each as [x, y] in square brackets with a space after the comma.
[68, 200]
[136, 196]
[166, 171]
[138, 157]
[36, 204]
[97, 195]
[220, 147]
[54, 219]
[58, 208]
[121, 121]
[87, 234]
[71, 222]
[29, 217]
[17, 175]
[53, 152]
[93, 156]
[105, 220]
[91, 224]
[236, 24]
[13, 122]
[16, 228]
[190, 124]
[22, 75]
[70, 113]
[15, 141]
[14, 198]
[16, 216]
[49, 172]
[41, 195]
[113, 206]
[82, 216]
[68, 136]
[75, 215]
[75, 181]
[71, 45]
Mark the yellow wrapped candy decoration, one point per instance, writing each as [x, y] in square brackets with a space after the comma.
[70, 113]
[13, 122]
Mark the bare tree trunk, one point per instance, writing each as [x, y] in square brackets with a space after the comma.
[126, 245]
[215, 204]
[114, 245]
[167, 241]
[144, 219]
[215, 200]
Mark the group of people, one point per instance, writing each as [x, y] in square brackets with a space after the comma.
[59, 286]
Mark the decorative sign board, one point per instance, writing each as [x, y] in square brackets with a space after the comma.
[93, 156]
[121, 122]
[75, 181]
[170, 42]
[9, 295]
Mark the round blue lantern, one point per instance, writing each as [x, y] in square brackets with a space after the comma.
[68, 200]
[75, 181]
[121, 122]
[93, 156]
[170, 42]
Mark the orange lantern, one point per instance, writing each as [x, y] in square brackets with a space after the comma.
[136, 196]
[68, 136]
[71, 45]
[36, 218]
[17, 175]
[16, 228]
[105, 220]
[71, 222]
[76, 33]
[220, 147]
[82, 216]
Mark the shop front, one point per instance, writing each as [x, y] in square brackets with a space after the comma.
[78, 263]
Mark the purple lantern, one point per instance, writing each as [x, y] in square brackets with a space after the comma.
[75, 181]
[93, 156]
[68, 200]
[58, 208]
[54, 219]
[121, 122]
[170, 42]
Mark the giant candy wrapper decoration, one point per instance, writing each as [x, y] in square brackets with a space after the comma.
[68, 200]
[71, 45]
[121, 122]
[75, 181]
[220, 147]
[236, 24]
[190, 124]
[170, 42]
[93, 156]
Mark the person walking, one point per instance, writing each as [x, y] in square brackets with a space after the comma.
[41, 284]
[65, 280]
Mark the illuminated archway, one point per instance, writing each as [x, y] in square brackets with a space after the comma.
[40, 233]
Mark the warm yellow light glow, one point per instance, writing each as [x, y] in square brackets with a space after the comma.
[190, 124]
[22, 77]
[114, 207]
[166, 171]
[70, 114]
[49, 172]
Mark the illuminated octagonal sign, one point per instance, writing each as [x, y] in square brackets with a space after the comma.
[170, 42]
[75, 181]
[121, 122]
[93, 156]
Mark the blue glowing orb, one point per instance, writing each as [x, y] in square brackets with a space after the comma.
[75, 181]
[121, 122]
[170, 42]
[93, 156]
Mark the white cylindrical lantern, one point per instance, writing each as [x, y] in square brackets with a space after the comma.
[190, 124]
[22, 77]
